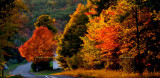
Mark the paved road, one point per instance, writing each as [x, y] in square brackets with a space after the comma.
[24, 70]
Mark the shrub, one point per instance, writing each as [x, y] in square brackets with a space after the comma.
[41, 66]
[74, 62]
[112, 64]
[127, 65]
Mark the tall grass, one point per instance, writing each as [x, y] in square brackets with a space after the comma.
[106, 74]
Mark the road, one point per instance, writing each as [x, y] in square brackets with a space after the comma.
[24, 70]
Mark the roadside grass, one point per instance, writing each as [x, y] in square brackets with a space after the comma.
[47, 72]
[106, 74]
[11, 67]
[16, 76]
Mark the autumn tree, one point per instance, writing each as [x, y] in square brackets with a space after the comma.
[10, 22]
[101, 42]
[47, 21]
[90, 54]
[142, 18]
[39, 48]
[41, 44]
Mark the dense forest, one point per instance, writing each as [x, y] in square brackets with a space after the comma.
[89, 34]
[112, 34]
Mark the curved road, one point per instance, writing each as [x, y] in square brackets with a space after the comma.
[24, 70]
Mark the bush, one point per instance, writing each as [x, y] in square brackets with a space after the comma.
[41, 66]
[152, 64]
[127, 65]
[112, 64]
[74, 62]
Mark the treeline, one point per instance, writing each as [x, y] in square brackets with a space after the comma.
[58, 9]
[112, 34]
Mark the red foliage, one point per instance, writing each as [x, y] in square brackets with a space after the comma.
[112, 13]
[41, 44]
[108, 39]
[87, 13]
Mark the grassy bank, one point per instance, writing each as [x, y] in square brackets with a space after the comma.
[47, 72]
[11, 67]
[105, 74]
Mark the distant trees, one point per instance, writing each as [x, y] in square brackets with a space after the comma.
[59, 9]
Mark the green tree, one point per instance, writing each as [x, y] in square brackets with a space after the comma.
[46, 21]
[69, 42]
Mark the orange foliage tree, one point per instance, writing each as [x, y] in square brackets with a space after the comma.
[107, 39]
[101, 43]
[41, 44]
